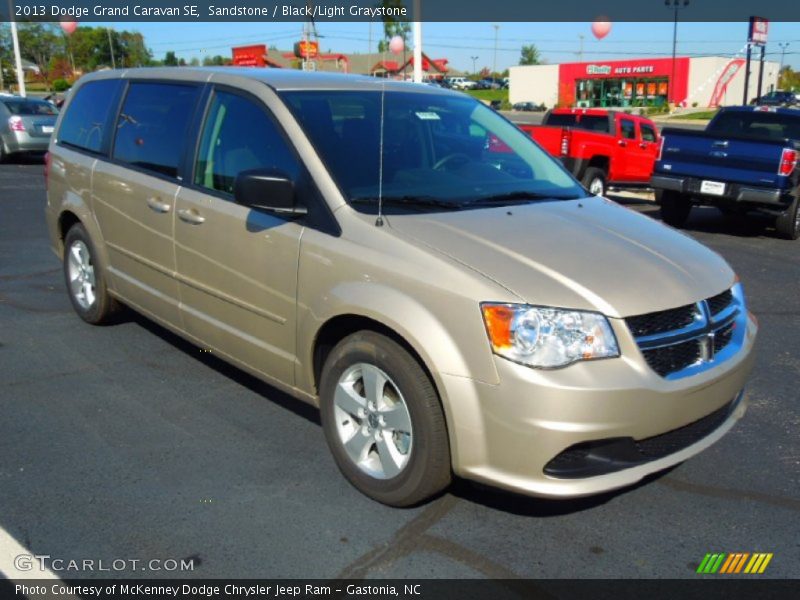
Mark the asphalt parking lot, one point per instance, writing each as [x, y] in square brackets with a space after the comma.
[126, 442]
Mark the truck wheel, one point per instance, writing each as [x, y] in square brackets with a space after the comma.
[86, 283]
[788, 224]
[594, 180]
[383, 421]
[675, 208]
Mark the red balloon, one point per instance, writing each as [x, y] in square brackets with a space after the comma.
[601, 29]
[69, 26]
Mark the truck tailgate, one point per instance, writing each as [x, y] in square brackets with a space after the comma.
[706, 156]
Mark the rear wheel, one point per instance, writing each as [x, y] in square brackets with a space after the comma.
[85, 280]
[594, 180]
[675, 208]
[788, 224]
[383, 421]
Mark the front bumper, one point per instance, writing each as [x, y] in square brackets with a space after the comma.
[506, 434]
[734, 192]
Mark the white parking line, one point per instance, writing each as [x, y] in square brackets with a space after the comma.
[11, 551]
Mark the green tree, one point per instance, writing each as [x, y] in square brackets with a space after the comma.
[194, 62]
[132, 50]
[40, 43]
[529, 55]
[170, 60]
[216, 61]
[789, 79]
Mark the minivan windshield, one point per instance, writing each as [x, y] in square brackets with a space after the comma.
[439, 150]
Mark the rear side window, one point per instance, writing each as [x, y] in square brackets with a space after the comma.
[648, 133]
[588, 122]
[152, 125]
[85, 123]
[239, 136]
[560, 120]
[627, 129]
[30, 108]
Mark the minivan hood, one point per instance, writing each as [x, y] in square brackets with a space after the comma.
[589, 254]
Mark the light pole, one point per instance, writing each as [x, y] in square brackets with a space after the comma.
[675, 5]
[782, 46]
[474, 60]
[494, 61]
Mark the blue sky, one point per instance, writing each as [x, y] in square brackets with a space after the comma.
[558, 42]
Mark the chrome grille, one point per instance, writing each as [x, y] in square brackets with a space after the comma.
[682, 341]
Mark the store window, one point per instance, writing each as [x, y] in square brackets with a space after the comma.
[631, 92]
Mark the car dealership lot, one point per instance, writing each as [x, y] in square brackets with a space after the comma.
[125, 442]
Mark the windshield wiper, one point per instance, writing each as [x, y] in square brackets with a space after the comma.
[408, 200]
[520, 196]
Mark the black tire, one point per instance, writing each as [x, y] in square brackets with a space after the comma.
[595, 176]
[104, 308]
[427, 470]
[788, 224]
[675, 208]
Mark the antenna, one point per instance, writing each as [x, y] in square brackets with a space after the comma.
[379, 220]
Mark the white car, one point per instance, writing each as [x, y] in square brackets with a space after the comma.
[462, 83]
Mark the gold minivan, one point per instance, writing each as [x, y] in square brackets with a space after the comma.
[406, 259]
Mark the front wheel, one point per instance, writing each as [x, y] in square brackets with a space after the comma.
[675, 208]
[383, 421]
[788, 224]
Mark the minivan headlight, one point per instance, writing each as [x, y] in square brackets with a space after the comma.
[547, 337]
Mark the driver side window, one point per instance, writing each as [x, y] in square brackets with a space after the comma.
[239, 135]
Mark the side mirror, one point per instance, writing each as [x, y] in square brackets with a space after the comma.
[267, 189]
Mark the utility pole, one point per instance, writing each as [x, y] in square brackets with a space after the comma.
[417, 43]
[783, 46]
[17, 57]
[580, 49]
[676, 5]
[494, 61]
[111, 48]
[474, 60]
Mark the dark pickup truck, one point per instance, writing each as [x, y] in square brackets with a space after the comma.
[746, 159]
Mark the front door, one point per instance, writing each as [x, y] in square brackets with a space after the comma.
[237, 267]
[134, 195]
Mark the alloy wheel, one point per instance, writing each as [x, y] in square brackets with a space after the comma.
[373, 421]
[81, 275]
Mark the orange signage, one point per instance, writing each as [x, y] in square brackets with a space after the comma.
[306, 49]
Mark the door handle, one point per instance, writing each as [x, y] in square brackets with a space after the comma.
[643, 145]
[158, 205]
[622, 143]
[191, 216]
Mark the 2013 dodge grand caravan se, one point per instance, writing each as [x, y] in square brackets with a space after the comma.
[409, 261]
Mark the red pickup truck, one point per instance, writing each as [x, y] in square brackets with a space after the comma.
[601, 148]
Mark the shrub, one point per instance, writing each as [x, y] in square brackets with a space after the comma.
[61, 85]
